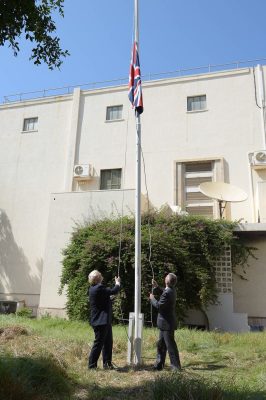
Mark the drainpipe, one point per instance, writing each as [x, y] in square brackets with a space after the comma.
[251, 185]
[261, 93]
[72, 141]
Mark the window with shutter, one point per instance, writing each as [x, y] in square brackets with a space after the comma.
[195, 173]
[189, 175]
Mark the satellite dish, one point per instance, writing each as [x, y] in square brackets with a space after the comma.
[223, 192]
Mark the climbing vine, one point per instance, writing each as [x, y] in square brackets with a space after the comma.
[185, 245]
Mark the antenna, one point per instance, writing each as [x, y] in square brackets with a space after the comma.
[223, 193]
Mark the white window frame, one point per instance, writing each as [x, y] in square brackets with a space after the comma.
[179, 182]
[114, 109]
[202, 101]
[27, 122]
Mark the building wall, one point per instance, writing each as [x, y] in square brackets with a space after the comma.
[67, 211]
[230, 128]
[249, 293]
[31, 167]
[72, 129]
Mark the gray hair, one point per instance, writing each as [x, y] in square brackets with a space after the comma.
[172, 279]
[95, 277]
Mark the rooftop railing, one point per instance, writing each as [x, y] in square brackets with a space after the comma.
[181, 72]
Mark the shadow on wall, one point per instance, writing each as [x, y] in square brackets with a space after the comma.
[15, 271]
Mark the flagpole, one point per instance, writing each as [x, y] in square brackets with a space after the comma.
[137, 300]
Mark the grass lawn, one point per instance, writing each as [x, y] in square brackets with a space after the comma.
[47, 359]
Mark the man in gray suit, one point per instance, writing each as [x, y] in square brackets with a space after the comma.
[167, 323]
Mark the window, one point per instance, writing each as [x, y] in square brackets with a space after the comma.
[30, 124]
[196, 203]
[110, 179]
[114, 113]
[189, 175]
[196, 103]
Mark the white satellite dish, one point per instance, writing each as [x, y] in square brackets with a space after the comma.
[223, 192]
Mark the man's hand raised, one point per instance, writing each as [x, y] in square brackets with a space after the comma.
[117, 280]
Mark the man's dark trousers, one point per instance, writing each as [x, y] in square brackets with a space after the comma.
[101, 321]
[167, 324]
[103, 342]
[166, 343]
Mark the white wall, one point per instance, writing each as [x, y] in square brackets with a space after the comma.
[72, 129]
[229, 128]
[223, 316]
[31, 167]
[250, 292]
[66, 211]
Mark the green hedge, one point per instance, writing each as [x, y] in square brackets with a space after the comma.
[185, 245]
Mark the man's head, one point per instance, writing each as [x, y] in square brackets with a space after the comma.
[95, 277]
[170, 280]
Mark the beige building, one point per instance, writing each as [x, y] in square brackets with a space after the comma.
[69, 158]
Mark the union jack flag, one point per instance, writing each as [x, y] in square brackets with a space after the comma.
[135, 91]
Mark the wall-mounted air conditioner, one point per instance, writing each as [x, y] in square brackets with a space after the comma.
[258, 159]
[83, 172]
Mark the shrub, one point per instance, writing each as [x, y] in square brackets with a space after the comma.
[24, 312]
[187, 246]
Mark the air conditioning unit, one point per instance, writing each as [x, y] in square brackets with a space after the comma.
[259, 159]
[83, 172]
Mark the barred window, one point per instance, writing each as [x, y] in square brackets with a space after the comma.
[110, 179]
[196, 103]
[113, 113]
[30, 124]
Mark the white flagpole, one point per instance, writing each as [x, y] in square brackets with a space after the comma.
[137, 302]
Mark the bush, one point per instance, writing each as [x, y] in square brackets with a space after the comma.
[24, 312]
[187, 246]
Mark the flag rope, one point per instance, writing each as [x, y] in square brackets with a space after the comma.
[122, 216]
[123, 198]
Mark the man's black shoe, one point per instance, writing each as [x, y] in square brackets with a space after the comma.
[157, 367]
[176, 369]
[109, 366]
[92, 366]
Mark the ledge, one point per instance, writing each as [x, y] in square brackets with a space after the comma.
[251, 228]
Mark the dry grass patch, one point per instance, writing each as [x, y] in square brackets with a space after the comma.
[215, 365]
[11, 332]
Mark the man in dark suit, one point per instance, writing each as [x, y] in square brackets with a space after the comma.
[167, 323]
[101, 319]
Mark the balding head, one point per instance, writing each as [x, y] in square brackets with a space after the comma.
[170, 280]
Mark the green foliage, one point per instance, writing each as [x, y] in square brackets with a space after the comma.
[24, 312]
[33, 18]
[187, 246]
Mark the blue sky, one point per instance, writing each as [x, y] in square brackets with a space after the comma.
[173, 34]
